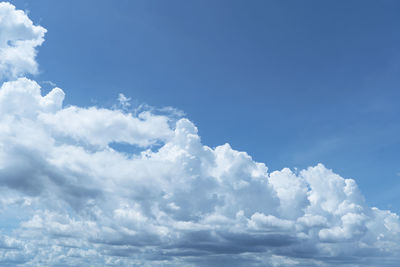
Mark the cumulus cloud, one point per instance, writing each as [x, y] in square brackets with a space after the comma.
[69, 198]
[18, 41]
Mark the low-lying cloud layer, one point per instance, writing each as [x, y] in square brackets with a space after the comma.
[69, 198]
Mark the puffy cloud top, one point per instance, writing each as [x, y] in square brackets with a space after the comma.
[18, 41]
[69, 197]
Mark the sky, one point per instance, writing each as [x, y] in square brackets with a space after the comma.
[187, 133]
[294, 83]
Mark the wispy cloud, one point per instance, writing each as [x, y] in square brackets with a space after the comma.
[124, 101]
[49, 83]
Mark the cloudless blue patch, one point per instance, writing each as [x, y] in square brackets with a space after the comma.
[133, 149]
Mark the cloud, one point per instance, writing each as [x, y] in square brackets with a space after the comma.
[69, 198]
[182, 203]
[124, 101]
[18, 41]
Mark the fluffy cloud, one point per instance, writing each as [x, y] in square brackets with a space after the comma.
[69, 197]
[18, 41]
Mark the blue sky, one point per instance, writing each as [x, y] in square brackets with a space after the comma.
[292, 83]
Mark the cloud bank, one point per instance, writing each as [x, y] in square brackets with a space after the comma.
[69, 197]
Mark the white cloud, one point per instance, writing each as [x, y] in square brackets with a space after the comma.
[103, 126]
[185, 203]
[18, 41]
[69, 198]
[124, 101]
